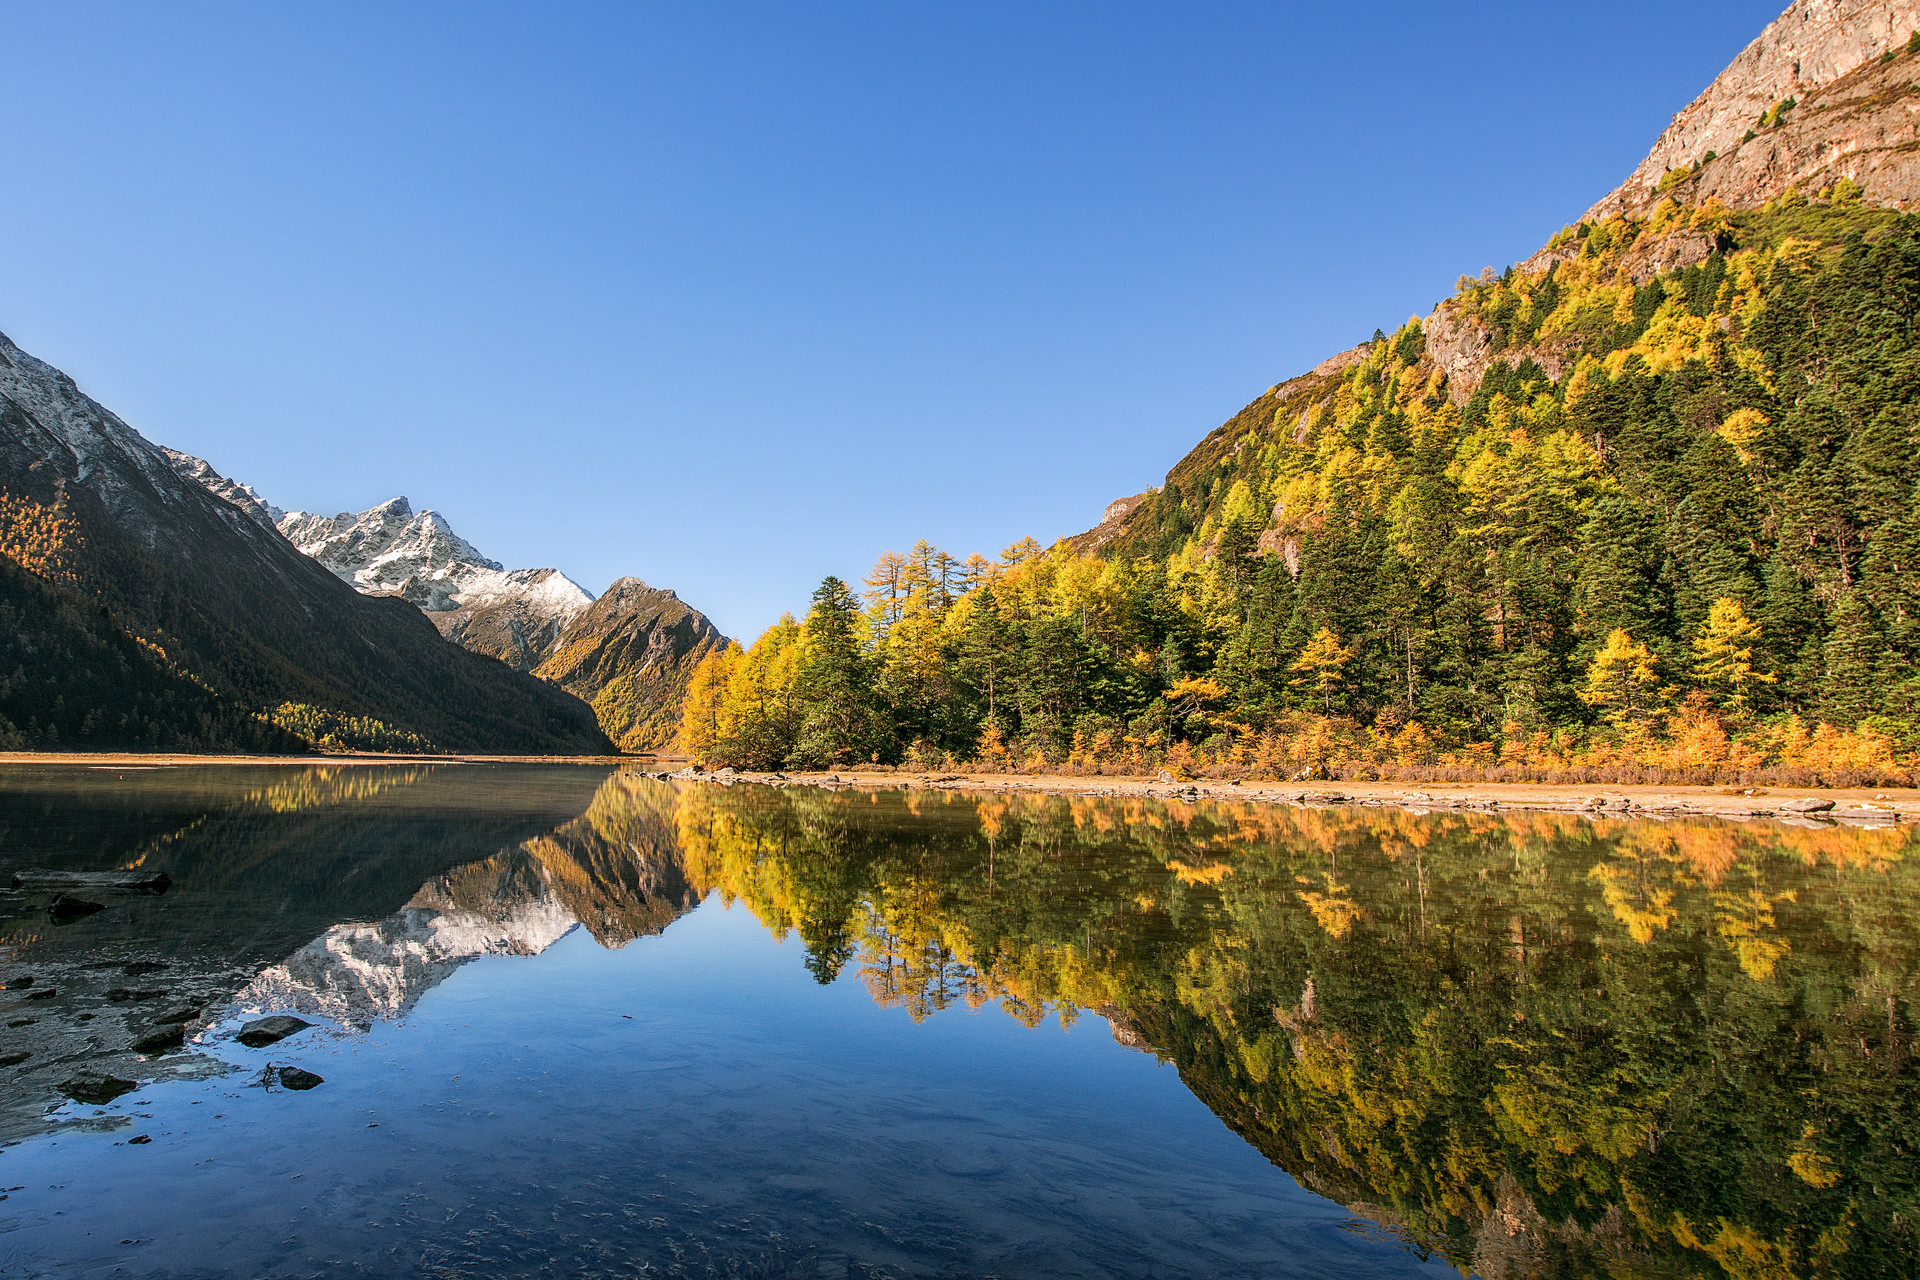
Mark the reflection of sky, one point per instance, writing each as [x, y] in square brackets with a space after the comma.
[693, 1098]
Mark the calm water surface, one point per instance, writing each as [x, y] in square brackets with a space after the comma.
[575, 1022]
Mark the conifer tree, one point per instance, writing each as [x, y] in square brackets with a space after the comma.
[1853, 653]
[1622, 683]
[1321, 666]
[1723, 655]
[842, 725]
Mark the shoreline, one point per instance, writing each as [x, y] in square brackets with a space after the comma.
[1812, 805]
[1871, 805]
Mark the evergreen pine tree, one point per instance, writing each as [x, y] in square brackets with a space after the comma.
[842, 725]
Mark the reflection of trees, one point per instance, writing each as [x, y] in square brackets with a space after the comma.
[1541, 1044]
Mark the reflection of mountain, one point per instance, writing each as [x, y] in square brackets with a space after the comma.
[261, 860]
[355, 973]
[615, 869]
[1533, 1043]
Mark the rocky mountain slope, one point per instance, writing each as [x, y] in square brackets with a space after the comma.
[224, 598]
[1854, 114]
[630, 655]
[513, 615]
[1827, 94]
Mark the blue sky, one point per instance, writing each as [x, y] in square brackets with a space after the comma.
[730, 297]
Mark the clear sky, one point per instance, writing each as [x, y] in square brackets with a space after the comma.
[733, 296]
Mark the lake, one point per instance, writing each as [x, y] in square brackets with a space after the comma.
[571, 1021]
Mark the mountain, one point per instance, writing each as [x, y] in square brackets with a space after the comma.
[1821, 94]
[240, 495]
[629, 654]
[71, 675]
[515, 616]
[1848, 67]
[219, 596]
[1647, 500]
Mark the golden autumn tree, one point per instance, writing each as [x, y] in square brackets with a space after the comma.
[1723, 655]
[1622, 683]
[701, 714]
[1320, 667]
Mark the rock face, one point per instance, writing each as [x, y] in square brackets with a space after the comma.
[514, 615]
[193, 572]
[1112, 521]
[240, 495]
[630, 655]
[1855, 114]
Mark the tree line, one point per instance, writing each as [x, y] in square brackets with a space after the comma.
[1672, 525]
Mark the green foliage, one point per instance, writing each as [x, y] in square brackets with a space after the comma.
[73, 678]
[331, 731]
[1739, 435]
[1609, 1049]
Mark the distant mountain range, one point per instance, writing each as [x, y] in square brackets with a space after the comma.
[157, 604]
[628, 654]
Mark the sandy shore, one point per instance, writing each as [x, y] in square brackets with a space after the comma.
[1866, 805]
[1896, 804]
[132, 759]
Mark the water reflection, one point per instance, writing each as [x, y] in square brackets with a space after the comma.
[259, 862]
[1529, 1044]
[1532, 1043]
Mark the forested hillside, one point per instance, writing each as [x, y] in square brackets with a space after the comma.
[103, 517]
[1659, 514]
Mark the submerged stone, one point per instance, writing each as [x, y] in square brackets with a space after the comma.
[96, 1089]
[262, 1032]
[160, 1040]
[67, 907]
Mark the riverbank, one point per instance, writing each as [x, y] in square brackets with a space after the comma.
[137, 760]
[1797, 804]
[1855, 804]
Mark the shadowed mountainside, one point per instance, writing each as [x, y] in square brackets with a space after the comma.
[230, 601]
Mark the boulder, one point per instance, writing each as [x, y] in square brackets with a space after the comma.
[1805, 804]
[67, 907]
[96, 1089]
[160, 1040]
[295, 1078]
[262, 1032]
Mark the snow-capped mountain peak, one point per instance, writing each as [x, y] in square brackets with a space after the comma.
[390, 549]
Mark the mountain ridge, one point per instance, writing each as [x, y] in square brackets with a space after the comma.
[205, 582]
[628, 653]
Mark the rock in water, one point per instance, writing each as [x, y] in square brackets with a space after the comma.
[160, 1040]
[1806, 804]
[262, 1032]
[67, 907]
[94, 1089]
[295, 1078]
